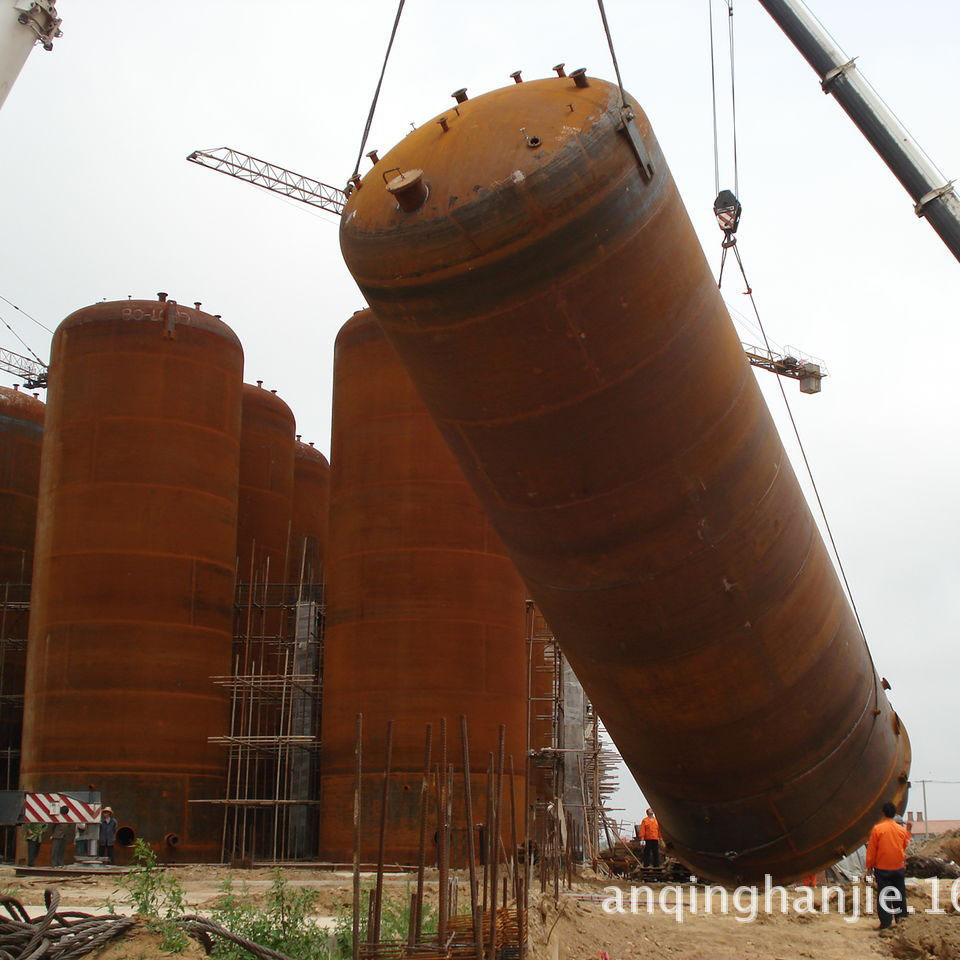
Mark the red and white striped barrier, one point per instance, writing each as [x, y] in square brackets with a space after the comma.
[45, 808]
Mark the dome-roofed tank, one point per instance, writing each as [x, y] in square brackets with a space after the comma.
[267, 440]
[311, 507]
[534, 267]
[425, 613]
[133, 581]
[21, 434]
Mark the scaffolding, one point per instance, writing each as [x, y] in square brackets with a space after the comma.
[273, 743]
[14, 626]
[572, 768]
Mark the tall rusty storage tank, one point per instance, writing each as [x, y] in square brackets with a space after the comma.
[311, 507]
[133, 581]
[425, 613]
[542, 282]
[21, 433]
[266, 486]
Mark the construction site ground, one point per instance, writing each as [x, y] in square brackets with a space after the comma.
[575, 927]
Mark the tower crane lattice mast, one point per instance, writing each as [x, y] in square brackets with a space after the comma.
[33, 372]
[271, 177]
[315, 193]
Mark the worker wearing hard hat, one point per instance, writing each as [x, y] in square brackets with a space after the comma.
[650, 834]
[886, 856]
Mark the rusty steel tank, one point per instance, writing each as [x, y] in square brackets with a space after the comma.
[267, 441]
[530, 259]
[311, 506]
[133, 579]
[425, 613]
[21, 434]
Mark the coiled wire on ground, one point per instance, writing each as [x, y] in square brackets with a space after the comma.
[70, 934]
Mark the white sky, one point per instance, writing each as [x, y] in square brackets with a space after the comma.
[97, 202]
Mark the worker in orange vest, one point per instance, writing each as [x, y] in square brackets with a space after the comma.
[886, 856]
[650, 834]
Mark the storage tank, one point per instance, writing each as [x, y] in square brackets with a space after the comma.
[536, 271]
[311, 506]
[133, 580]
[266, 486]
[21, 433]
[425, 613]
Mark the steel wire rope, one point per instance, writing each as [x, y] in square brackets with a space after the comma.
[731, 244]
[713, 103]
[71, 934]
[376, 93]
[24, 342]
[809, 468]
[24, 312]
[733, 99]
[613, 54]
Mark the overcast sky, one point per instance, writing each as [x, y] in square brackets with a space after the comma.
[97, 202]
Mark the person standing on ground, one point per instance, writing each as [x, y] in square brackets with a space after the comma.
[886, 856]
[650, 834]
[35, 834]
[108, 834]
[62, 832]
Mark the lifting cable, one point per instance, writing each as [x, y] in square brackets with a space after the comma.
[733, 98]
[24, 342]
[613, 54]
[376, 96]
[803, 452]
[24, 312]
[727, 209]
[726, 206]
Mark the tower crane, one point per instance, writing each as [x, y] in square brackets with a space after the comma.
[315, 193]
[271, 177]
[34, 372]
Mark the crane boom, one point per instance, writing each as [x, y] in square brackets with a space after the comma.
[809, 374]
[934, 199]
[33, 372]
[271, 177]
[23, 23]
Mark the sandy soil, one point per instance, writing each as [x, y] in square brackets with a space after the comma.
[141, 944]
[946, 845]
[581, 929]
[577, 927]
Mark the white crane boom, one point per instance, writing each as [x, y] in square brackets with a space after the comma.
[23, 23]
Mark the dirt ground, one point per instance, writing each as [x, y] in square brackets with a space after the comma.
[141, 944]
[577, 927]
[946, 845]
[582, 929]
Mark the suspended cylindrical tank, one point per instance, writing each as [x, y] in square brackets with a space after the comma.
[536, 271]
[424, 615]
[21, 433]
[133, 592]
[311, 507]
[267, 441]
